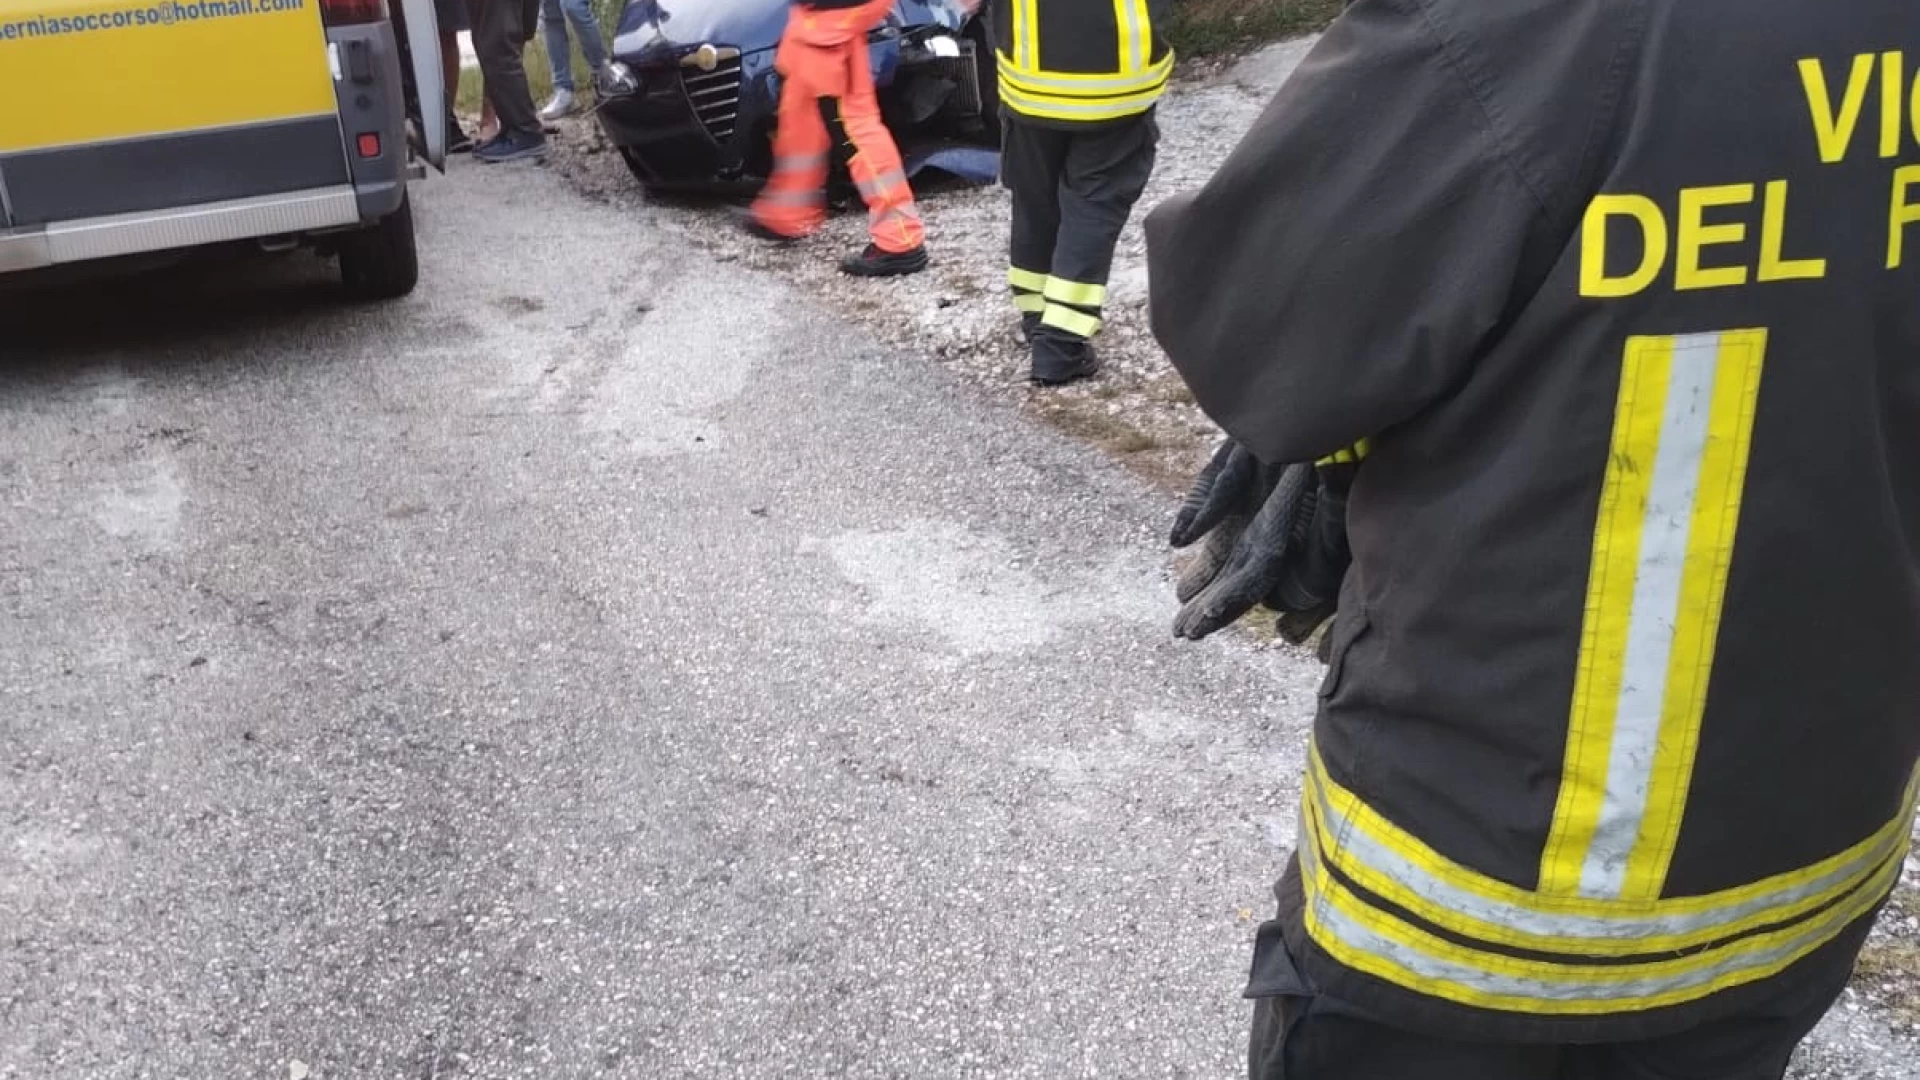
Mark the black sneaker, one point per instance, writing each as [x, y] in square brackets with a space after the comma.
[1056, 362]
[513, 147]
[876, 263]
[458, 141]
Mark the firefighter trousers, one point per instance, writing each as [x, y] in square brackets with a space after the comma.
[1304, 1035]
[1073, 190]
[793, 203]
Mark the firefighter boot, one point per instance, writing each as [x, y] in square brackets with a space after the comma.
[875, 262]
[1060, 359]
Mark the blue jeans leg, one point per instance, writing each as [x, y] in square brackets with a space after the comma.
[587, 29]
[553, 28]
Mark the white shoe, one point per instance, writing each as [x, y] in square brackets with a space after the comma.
[557, 106]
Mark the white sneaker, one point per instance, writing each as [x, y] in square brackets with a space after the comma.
[557, 106]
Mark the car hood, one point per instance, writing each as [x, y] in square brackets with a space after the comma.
[659, 29]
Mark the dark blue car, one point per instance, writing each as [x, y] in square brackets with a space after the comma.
[690, 101]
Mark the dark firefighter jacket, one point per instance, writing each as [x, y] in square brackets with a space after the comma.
[1620, 725]
[1068, 63]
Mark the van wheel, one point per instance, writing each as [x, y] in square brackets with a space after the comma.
[381, 261]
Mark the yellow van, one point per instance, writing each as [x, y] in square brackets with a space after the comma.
[137, 126]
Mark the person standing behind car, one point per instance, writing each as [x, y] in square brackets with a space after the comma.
[500, 38]
[1079, 80]
[554, 17]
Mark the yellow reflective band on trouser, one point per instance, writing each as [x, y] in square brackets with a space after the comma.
[1027, 289]
[1662, 548]
[1393, 864]
[1380, 943]
[1026, 280]
[1349, 456]
[1077, 323]
[1077, 293]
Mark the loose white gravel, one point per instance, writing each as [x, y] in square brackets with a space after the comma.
[958, 313]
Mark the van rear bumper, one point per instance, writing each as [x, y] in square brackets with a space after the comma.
[289, 213]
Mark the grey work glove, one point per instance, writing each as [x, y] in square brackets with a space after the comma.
[1224, 499]
[1274, 535]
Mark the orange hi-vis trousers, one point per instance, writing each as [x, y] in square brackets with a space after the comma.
[823, 54]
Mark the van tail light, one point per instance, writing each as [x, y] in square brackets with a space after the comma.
[346, 12]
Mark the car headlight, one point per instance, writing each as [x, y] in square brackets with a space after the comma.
[619, 80]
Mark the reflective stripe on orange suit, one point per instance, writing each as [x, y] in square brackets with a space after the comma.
[824, 54]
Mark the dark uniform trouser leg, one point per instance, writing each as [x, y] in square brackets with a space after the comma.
[1107, 169]
[1033, 162]
[1304, 1037]
[499, 38]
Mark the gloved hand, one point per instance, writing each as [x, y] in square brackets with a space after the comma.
[1225, 497]
[1274, 535]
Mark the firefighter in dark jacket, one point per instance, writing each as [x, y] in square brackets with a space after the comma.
[1608, 308]
[1078, 83]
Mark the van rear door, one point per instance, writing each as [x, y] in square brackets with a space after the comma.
[119, 106]
[427, 76]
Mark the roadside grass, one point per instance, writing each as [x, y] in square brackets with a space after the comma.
[1204, 27]
[539, 79]
[1091, 421]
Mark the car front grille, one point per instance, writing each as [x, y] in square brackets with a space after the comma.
[715, 97]
[964, 70]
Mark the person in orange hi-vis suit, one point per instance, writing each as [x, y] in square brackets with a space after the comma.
[823, 54]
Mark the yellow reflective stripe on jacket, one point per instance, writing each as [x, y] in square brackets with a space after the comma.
[1081, 109]
[1391, 863]
[1077, 293]
[1135, 27]
[1026, 20]
[1035, 80]
[1662, 550]
[1382, 944]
